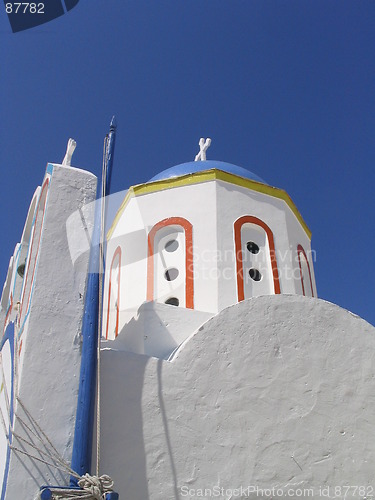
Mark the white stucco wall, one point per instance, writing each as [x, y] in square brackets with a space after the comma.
[157, 330]
[48, 385]
[277, 391]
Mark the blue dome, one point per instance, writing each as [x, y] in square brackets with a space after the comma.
[192, 167]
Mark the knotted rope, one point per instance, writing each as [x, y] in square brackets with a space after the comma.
[96, 486]
[92, 488]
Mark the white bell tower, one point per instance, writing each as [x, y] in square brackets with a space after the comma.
[197, 238]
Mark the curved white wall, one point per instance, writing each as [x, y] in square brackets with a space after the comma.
[276, 391]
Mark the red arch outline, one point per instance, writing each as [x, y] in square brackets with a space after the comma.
[189, 286]
[301, 250]
[239, 255]
[116, 252]
[46, 182]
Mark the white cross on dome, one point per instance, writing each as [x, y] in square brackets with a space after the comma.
[203, 145]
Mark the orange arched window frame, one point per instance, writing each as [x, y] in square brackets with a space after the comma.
[117, 252]
[189, 264]
[44, 198]
[249, 219]
[299, 251]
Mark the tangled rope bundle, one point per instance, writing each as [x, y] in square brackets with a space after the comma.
[96, 486]
[91, 488]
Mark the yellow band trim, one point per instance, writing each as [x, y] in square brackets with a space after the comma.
[206, 176]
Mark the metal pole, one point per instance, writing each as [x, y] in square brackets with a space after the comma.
[83, 434]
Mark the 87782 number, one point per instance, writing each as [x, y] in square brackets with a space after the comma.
[23, 7]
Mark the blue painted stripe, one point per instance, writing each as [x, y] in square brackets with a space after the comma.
[111, 152]
[46, 493]
[83, 433]
[9, 336]
[49, 168]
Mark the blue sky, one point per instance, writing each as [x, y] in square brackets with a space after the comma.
[284, 88]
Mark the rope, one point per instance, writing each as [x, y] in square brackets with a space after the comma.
[97, 486]
[92, 488]
[101, 261]
[33, 457]
[55, 455]
[50, 453]
[4, 425]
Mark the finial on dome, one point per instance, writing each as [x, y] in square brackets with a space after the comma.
[69, 152]
[203, 145]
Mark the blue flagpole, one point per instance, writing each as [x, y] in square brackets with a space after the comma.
[108, 176]
[84, 426]
[111, 152]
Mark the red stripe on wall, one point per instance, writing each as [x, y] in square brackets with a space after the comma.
[299, 251]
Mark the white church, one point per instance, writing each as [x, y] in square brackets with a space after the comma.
[178, 350]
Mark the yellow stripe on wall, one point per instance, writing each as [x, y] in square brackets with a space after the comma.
[206, 176]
